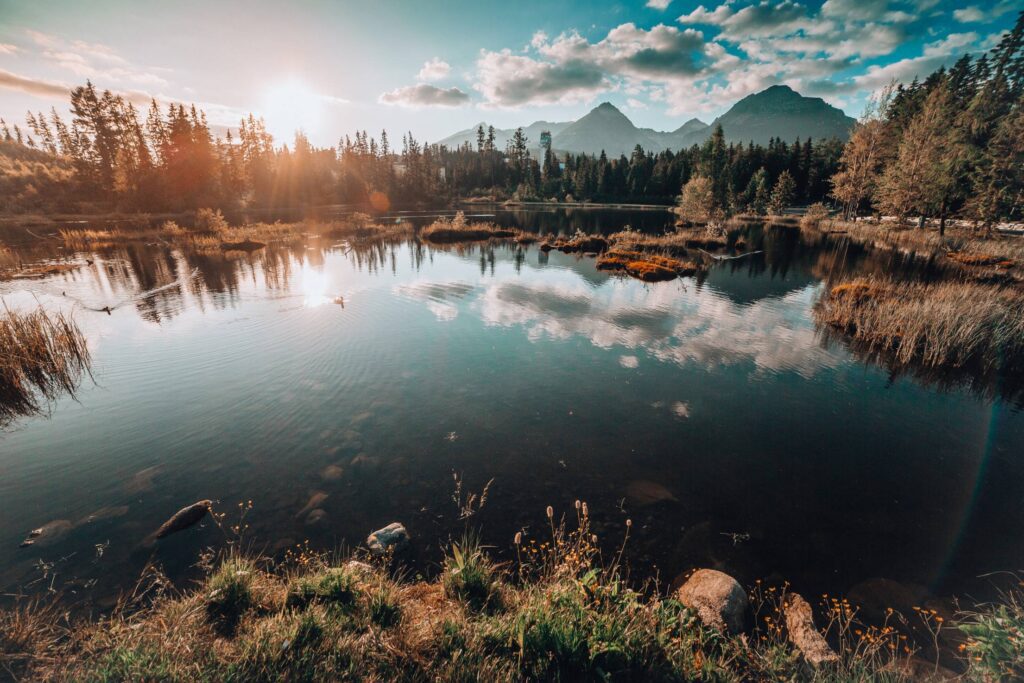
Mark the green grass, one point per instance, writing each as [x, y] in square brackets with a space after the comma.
[995, 640]
[563, 615]
[384, 608]
[336, 586]
[470, 576]
[229, 593]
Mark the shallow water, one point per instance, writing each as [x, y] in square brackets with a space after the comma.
[777, 453]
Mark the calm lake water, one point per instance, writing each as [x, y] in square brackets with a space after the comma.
[785, 454]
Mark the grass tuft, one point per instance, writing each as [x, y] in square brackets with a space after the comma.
[469, 575]
[229, 593]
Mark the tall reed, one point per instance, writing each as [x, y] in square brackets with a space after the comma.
[43, 355]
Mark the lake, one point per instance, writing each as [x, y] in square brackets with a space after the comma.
[339, 388]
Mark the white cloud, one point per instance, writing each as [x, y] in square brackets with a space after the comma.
[434, 70]
[570, 68]
[508, 80]
[950, 44]
[94, 61]
[33, 86]
[683, 327]
[659, 4]
[968, 15]
[424, 95]
[634, 103]
[8, 49]
[973, 14]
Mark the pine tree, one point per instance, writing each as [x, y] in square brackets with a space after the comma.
[782, 194]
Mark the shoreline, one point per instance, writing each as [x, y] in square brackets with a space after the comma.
[559, 610]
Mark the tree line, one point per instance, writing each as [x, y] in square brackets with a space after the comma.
[170, 160]
[949, 146]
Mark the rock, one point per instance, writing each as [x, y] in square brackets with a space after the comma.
[393, 538]
[719, 600]
[803, 634]
[312, 504]
[184, 518]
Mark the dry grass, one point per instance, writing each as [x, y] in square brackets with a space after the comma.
[457, 229]
[217, 235]
[34, 271]
[645, 266]
[951, 324]
[559, 612]
[980, 259]
[42, 356]
[960, 244]
[580, 242]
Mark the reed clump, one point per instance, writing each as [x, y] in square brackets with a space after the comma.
[458, 229]
[947, 324]
[43, 355]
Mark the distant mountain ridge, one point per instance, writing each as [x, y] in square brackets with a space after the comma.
[777, 112]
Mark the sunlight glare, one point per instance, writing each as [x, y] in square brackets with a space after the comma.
[314, 284]
[289, 106]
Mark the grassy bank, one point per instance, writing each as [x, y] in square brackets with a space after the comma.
[974, 252]
[42, 356]
[955, 324]
[211, 232]
[558, 612]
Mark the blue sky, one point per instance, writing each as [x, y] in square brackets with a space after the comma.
[436, 67]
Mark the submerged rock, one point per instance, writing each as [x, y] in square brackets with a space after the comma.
[332, 473]
[875, 597]
[718, 599]
[312, 504]
[47, 533]
[644, 492]
[392, 538]
[315, 517]
[184, 518]
[803, 634]
[108, 512]
[142, 480]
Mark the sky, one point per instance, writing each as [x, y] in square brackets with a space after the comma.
[433, 68]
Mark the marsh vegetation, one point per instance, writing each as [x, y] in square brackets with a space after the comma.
[43, 355]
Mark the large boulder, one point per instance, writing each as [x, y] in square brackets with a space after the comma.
[718, 599]
[803, 634]
[391, 539]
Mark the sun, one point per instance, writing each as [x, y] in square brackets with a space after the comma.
[291, 105]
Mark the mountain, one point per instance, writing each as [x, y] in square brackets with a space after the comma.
[778, 112]
[691, 126]
[503, 135]
[604, 128]
[781, 112]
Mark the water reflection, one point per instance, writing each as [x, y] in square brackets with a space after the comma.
[235, 376]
